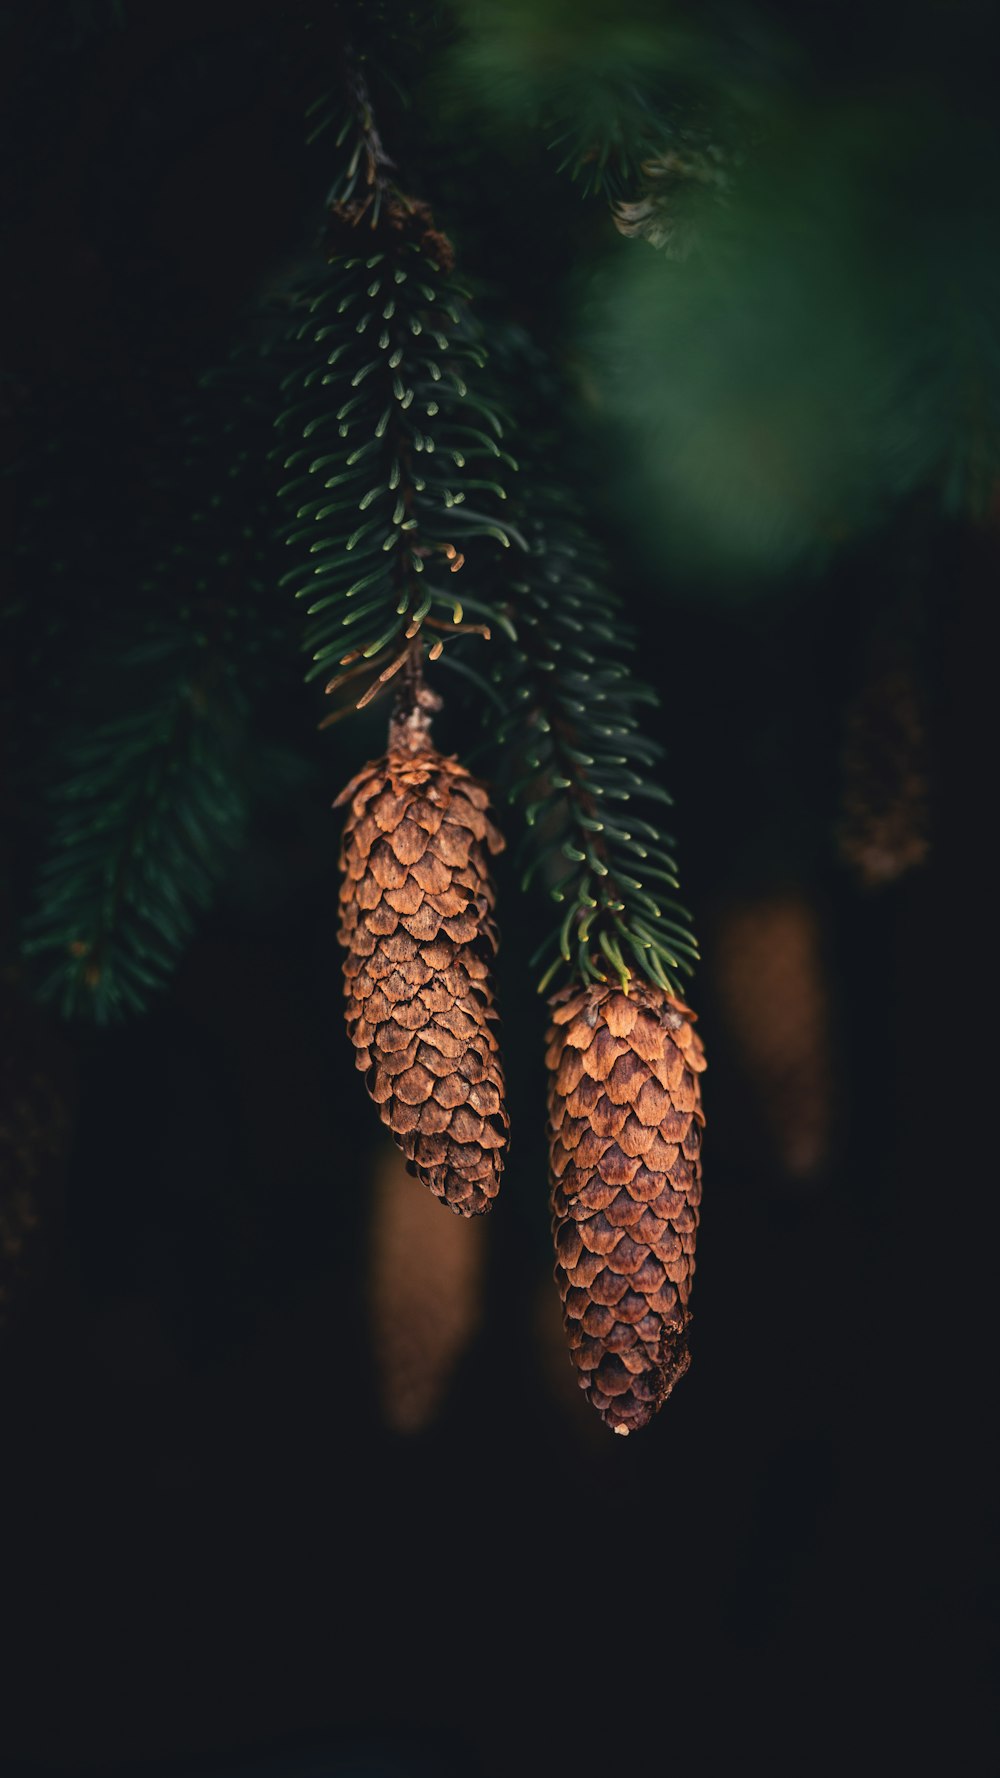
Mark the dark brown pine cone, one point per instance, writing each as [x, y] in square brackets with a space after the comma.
[625, 1124]
[416, 918]
[884, 825]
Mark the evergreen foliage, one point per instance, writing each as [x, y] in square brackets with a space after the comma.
[570, 751]
[831, 348]
[582, 769]
[394, 471]
[400, 440]
[148, 804]
[610, 87]
[830, 345]
[149, 776]
[808, 364]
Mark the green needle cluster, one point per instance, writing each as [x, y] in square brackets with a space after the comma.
[393, 471]
[583, 771]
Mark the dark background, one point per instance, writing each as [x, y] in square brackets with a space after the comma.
[216, 1558]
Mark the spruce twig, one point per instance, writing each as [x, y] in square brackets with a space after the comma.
[581, 768]
[148, 805]
[148, 777]
[380, 514]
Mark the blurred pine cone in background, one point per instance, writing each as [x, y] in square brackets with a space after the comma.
[883, 828]
[426, 1285]
[771, 980]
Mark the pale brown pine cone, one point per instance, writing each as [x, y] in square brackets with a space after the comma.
[425, 1295]
[625, 1124]
[416, 919]
[771, 981]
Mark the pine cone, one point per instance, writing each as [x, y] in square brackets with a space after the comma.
[625, 1124]
[416, 906]
[769, 952]
[883, 829]
[425, 1295]
[668, 210]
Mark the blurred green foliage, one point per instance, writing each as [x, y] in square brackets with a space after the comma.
[832, 345]
[829, 341]
[570, 747]
[608, 84]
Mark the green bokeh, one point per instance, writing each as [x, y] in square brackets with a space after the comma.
[831, 344]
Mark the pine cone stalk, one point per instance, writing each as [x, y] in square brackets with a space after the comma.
[416, 921]
[625, 1124]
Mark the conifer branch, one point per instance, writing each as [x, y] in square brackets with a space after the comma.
[656, 160]
[149, 774]
[147, 808]
[637, 106]
[572, 751]
[580, 767]
[393, 471]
